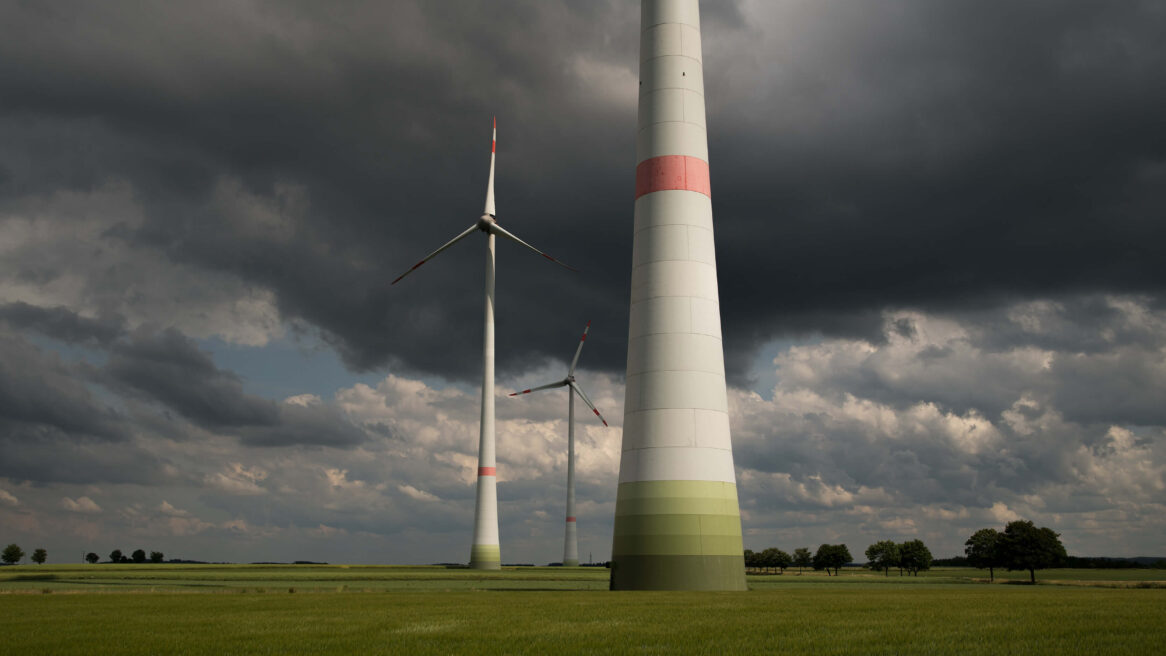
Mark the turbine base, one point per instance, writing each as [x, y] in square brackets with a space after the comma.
[678, 573]
[485, 556]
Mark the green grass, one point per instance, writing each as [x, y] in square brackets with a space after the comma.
[344, 578]
[370, 578]
[421, 610]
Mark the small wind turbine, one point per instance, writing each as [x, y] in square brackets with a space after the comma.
[485, 552]
[571, 540]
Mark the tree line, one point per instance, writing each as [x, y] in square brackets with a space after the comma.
[138, 556]
[1021, 546]
[911, 557]
[828, 556]
[13, 554]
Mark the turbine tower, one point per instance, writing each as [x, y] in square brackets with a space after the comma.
[485, 552]
[571, 538]
[677, 519]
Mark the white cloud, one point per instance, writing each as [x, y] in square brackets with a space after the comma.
[80, 505]
[956, 430]
[7, 499]
[420, 495]
[238, 479]
[166, 509]
[1002, 513]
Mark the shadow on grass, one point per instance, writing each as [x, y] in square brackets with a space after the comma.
[34, 577]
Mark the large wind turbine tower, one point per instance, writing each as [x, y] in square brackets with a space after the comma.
[677, 520]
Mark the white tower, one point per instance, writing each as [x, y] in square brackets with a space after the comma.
[485, 551]
[677, 520]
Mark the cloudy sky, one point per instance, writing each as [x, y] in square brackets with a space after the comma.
[940, 237]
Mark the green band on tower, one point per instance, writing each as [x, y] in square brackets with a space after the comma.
[677, 535]
[485, 556]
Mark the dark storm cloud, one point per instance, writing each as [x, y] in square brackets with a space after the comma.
[42, 398]
[54, 426]
[168, 368]
[940, 156]
[56, 458]
[62, 324]
[311, 425]
[1121, 388]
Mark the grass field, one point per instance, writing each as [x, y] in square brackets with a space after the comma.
[151, 609]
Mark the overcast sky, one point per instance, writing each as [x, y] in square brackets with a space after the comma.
[940, 236]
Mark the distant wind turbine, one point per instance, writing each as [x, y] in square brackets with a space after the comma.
[485, 552]
[570, 539]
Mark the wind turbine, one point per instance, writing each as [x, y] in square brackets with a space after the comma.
[485, 552]
[570, 539]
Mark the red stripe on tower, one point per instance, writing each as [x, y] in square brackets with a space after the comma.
[570, 519]
[673, 172]
[487, 471]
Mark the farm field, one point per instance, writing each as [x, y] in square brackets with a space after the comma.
[149, 609]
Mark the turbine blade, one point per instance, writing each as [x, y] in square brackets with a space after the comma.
[438, 251]
[490, 185]
[580, 349]
[499, 230]
[588, 402]
[535, 389]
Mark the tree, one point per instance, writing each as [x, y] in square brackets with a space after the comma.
[139, 556]
[983, 551]
[914, 556]
[831, 555]
[781, 560]
[92, 558]
[883, 555]
[1026, 547]
[12, 554]
[39, 556]
[156, 556]
[802, 558]
[766, 557]
[115, 556]
[774, 558]
[750, 559]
